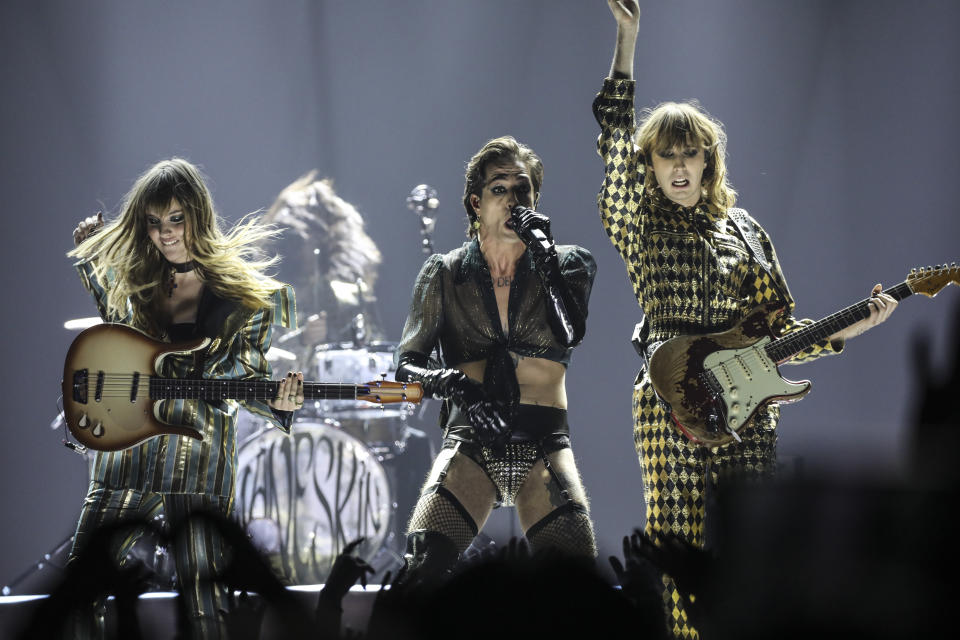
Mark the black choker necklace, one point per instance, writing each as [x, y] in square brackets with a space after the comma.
[183, 267]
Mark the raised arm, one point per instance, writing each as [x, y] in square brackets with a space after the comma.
[620, 196]
[627, 15]
[86, 269]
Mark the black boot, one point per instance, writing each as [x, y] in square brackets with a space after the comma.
[430, 557]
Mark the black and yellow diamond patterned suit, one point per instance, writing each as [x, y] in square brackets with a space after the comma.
[692, 273]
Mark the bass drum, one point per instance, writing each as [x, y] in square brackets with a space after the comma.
[303, 496]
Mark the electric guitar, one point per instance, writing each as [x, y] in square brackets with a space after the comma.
[111, 390]
[713, 384]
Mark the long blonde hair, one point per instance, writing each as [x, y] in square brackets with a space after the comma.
[131, 267]
[320, 218]
[672, 124]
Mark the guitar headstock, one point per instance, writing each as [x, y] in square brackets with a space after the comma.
[930, 280]
[388, 391]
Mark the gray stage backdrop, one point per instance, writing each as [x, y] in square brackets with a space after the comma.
[842, 117]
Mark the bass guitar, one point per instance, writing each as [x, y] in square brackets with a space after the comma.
[112, 390]
[713, 384]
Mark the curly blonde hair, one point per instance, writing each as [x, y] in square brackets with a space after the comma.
[672, 124]
[131, 268]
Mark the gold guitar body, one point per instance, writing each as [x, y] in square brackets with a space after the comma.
[120, 360]
[112, 389]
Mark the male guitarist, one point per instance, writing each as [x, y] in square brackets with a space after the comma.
[697, 266]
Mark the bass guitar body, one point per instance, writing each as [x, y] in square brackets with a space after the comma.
[106, 387]
[112, 390]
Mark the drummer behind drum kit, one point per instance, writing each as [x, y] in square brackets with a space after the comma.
[347, 469]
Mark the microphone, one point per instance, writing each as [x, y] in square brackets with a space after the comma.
[532, 234]
[423, 201]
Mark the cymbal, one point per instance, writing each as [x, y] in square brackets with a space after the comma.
[82, 323]
[276, 353]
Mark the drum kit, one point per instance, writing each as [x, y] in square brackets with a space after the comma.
[348, 469]
[334, 478]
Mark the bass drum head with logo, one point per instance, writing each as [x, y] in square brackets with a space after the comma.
[302, 497]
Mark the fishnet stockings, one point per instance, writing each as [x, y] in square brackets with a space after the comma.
[567, 529]
[439, 512]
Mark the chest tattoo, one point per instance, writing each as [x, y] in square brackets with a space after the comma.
[503, 281]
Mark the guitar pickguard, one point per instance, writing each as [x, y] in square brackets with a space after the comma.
[747, 378]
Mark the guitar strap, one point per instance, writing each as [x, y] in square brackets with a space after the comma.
[742, 222]
[640, 341]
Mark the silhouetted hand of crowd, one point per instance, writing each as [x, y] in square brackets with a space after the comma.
[346, 571]
[395, 605]
[246, 570]
[645, 561]
[639, 573]
[516, 550]
[936, 413]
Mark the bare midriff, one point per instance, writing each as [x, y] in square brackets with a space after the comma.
[542, 382]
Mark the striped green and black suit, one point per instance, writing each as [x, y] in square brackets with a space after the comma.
[176, 475]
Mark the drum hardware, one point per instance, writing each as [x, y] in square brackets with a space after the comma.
[295, 333]
[276, 353]
[50, 559]
[343, 361]
[423, 201]
[358, 327]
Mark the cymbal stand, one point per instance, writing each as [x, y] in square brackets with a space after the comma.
[47, 559]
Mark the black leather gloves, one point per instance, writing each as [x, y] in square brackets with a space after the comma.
[485, 414]
[534, 229]
[567, 320]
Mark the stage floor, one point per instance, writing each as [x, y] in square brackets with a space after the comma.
[157, 610]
